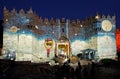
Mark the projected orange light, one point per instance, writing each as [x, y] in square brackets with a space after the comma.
[118, 39]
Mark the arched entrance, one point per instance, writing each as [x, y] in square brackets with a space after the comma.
[62, 47]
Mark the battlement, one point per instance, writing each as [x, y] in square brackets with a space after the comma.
[25, 34]
[53, 22]
[105, 17]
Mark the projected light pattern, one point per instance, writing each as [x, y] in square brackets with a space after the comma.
[25, 33]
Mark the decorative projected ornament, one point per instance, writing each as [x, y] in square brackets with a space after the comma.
[48, 45]
[106, 25]
[13, 29]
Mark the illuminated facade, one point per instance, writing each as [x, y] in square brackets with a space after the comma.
[32, 38]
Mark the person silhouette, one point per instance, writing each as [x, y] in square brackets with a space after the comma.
[78, 71]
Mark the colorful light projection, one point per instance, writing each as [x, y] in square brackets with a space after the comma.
[118, 40]
[109, 42]
[48, 45]
[33, 38]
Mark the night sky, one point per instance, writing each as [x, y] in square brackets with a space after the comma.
[69, 9]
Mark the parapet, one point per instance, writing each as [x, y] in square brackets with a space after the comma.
[53, 22]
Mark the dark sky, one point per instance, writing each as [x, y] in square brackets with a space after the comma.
[69, 9]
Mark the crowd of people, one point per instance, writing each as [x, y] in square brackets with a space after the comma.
[27, 70]
[80, 72]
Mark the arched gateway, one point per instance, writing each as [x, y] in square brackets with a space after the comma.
[63, 47]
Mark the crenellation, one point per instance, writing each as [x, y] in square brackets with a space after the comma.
[57, 21]
[30, 11]
[13, 11]
[78, 21]
[108, 16]
[22, 11]
[52, 22]
[114, 18]
[97, 16]
[35, 13]
[6, 14]
[36, 19]
[103, 16]
[63, 20]
[73, 23]
[46, 22]
[40, 21]
[5, 10]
